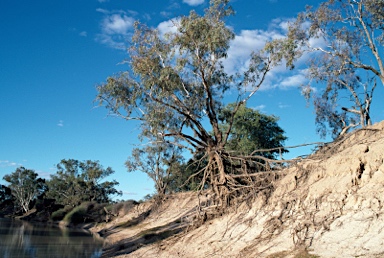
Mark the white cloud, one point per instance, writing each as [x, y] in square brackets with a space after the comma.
[193, 2]
[103, 1]
[101, 10]
[60, 123]
[83, 33]
[7, 163]
[282, 106]
[244, 44]
[295, 80]
[165, 14]
[169, 26]
[260, 107]
[116, 27]
[117, 24]
[248, 41]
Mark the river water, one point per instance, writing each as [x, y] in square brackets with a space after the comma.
[23, 239]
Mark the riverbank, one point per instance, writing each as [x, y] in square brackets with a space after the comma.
[327, 205]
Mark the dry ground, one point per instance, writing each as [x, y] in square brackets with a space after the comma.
[328, 205]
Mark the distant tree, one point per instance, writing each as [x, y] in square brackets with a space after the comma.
[348, 59]
[97, 189]
[332, 109]
[5, 194]
[76, 182]
[157, 160]
[25, 186]
[253, 132]
[177, 82]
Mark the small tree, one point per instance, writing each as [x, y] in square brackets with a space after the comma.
[76, 182]
[348, 59]
[157, 160]
[25, 186]
[332, 110]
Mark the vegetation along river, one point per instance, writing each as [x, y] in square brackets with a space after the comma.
[24, 239]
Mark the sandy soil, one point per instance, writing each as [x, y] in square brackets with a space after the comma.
[328, 205]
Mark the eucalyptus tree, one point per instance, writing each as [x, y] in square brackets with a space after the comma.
[158, 160]
[176, 83]
[344, 39]
[76, 182]
[25, 186]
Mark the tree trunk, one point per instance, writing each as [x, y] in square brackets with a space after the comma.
[219, 180]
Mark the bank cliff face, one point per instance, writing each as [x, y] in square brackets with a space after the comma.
[329, 204]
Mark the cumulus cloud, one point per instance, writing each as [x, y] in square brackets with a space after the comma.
[115, 28]
[117, 24]
[295, 80]
[193, 2]
[248, 41]
[243, 45]
[169, 26]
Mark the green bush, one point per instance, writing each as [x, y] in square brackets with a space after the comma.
[60, 214]
[77, 215]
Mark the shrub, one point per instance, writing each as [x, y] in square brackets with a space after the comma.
[77, 215]
[60, 213]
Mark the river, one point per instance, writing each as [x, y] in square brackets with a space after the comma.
[26, 240]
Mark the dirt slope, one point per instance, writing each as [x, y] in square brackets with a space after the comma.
[330, 204]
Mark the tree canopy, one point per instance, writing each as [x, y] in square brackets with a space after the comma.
[25, 186]
[344, 39]
[76, 182]
[158, 160]
[253, 131]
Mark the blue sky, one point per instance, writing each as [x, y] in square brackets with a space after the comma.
[54, 53]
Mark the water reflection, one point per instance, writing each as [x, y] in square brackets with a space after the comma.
[23, 239]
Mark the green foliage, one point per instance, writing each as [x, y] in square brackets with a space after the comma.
[60, 214]
[25, 186]
[188, 176]
[176, 85]
[76, 215]
[252, 132]
[76, 182]
[157, 160]
[5, 194]
[347, 59]
[6, 199]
